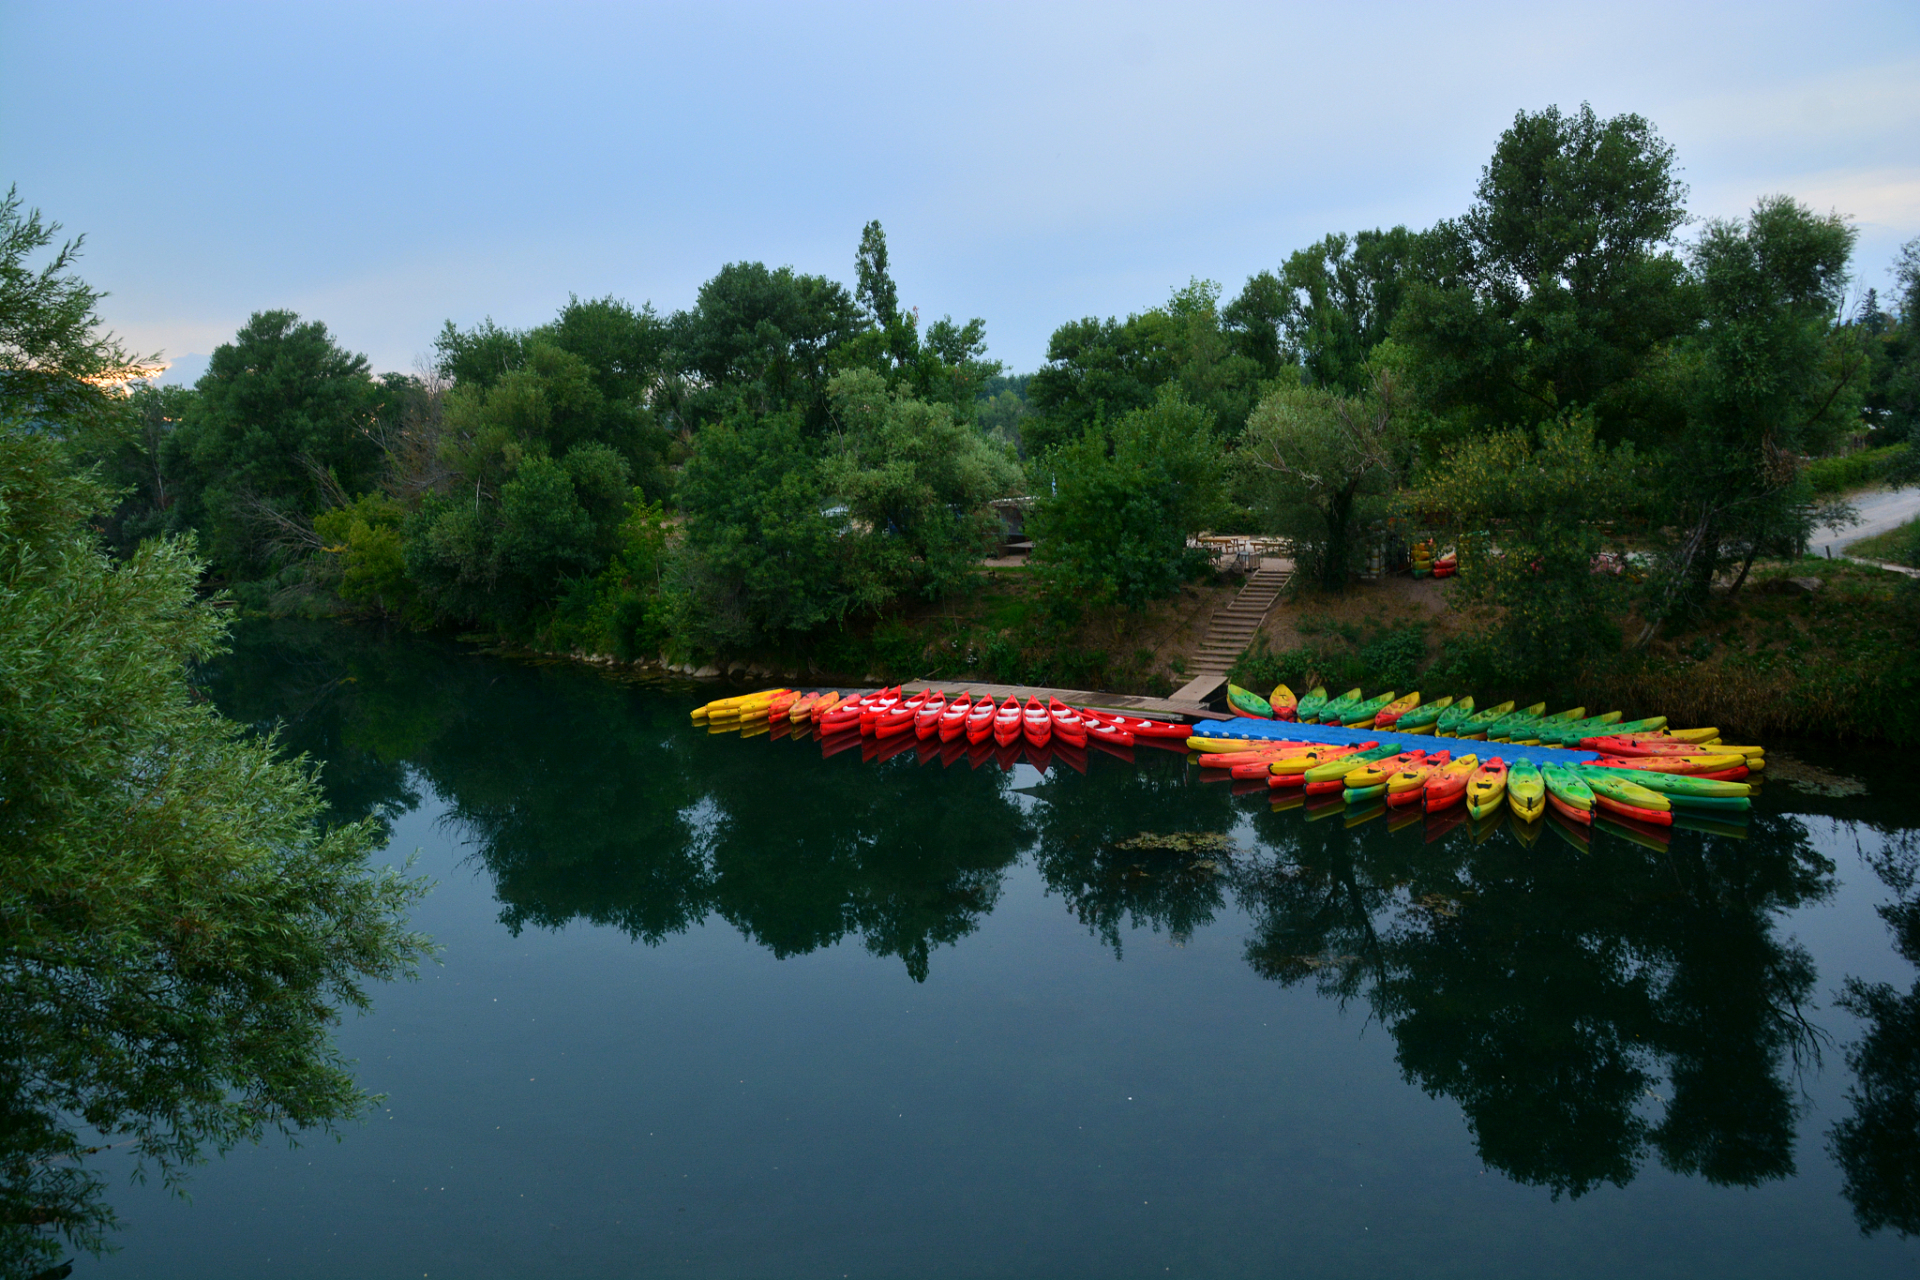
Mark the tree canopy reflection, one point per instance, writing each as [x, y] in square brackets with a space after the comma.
[1878, 1144]
[1582, 1009]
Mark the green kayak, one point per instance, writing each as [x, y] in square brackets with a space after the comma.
[1526, 790]
[1679, 786]
[1477, 724]
[1309, 708]
[1567, 785]
[1368, 709]
[1248, 703]
[1422, 718]
[1615, 786]
[1516, 726]
[1453, 717]
[1569, 734]
[1650, 725]
[1334, 711]
[1354, 795]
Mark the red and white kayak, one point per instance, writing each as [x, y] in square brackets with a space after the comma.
[845, 716]
[926, 721]
[1036, 723]
[1068, 726]
[1101, 730]
[898, 719]
[980, 721]
[953, 720]
[1006, 724]
[873, 706]
[1141, 727]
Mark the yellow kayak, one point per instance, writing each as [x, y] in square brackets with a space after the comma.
[730, 708]
[1216, 746]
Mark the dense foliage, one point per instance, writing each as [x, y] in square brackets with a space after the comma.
[178, 928]
[1316, 462]
[1110, 525]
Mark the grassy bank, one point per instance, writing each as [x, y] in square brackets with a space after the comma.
[1001, 632]
[1775, 659]
[1895, 546]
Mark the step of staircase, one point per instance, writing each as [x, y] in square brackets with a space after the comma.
[1229, 632]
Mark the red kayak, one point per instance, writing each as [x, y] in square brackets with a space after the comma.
[1037, 724]
[844, 716]
[1101, 730]
[953, 720]
[1571, 813]
[1608, 746]
[980, 721]
[1141, 727]
[873, 707]
[1656, 817]
[899, 718]
[926, 722]
[1067, 724]
[1006, 724]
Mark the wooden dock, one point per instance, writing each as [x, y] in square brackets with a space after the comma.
[1149, 708]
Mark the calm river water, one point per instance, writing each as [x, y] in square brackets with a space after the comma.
[714, 1007]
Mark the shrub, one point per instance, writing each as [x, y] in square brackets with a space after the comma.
[1836, 475]
[1113, 527]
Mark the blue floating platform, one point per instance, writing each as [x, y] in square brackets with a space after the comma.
[1337, 736]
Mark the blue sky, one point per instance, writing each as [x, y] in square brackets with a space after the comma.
[386, 167]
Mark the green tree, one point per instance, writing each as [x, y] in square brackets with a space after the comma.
[1559, 287]
[916, 481]
[1002, 408]
[177, 931]
[1768, 376]
[505, 562]
[1315, 463]
[1527, 509]
[1892, 402]
[759, 340]
[57, 366]
[1114, 516]
[135, 461]
[1099, 370]
[765, 551]
[283, 421]
[1330, 305]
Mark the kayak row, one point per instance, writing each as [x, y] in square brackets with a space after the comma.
[1648, 785]
[889, 713]
[1451, 717]
[1635, 797]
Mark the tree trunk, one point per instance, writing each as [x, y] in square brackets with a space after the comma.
[1333, 574]
[1684, 570]
[1753, 552]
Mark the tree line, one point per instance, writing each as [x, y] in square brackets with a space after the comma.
[789, 454]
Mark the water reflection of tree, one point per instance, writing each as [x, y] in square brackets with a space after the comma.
[330, 691]
[1089, 845]
[586, 799]
[1878, 1145]
[1548, 993]
[805, 851]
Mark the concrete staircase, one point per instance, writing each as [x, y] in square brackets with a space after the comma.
[1230, 632]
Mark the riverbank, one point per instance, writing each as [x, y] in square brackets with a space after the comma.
[1813, 647]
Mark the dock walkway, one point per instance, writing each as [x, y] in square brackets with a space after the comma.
[1150, 708]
